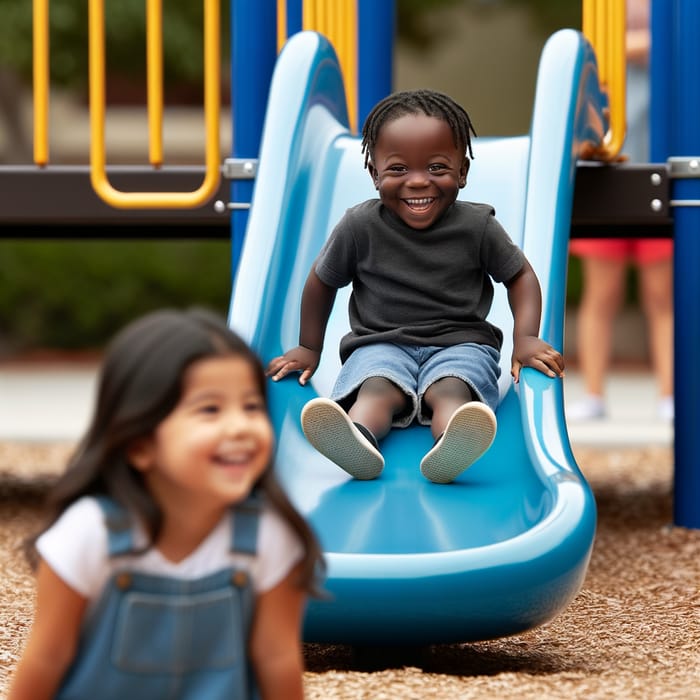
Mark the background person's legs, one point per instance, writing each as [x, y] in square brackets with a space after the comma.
[603, 289]
[656, 293]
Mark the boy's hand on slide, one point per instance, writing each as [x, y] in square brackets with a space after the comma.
[299, 359]
[530, 351]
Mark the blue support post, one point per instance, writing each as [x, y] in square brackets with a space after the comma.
[376, 29]
[253, 55]
[676, 108]
[294, 17]
[661, 86]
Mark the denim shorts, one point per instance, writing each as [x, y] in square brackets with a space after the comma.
[413, 369]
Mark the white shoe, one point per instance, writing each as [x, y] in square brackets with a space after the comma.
[469, 433]
[329, 429]
[590, 407]
[666, 409]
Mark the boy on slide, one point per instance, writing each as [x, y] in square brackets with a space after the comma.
[421, 265]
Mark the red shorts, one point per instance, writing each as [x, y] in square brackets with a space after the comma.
[639, 250]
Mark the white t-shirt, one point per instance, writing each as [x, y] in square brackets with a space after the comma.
[76, 549]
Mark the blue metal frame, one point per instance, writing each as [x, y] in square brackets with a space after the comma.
[377, 28]
[675, 133]
[253, 56]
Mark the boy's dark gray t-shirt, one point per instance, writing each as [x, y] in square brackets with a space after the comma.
[419, 287]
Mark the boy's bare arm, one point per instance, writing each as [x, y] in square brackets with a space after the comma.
[529, 350]
[316, 304]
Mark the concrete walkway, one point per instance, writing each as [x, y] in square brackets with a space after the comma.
[631, 412]
[53, 402]
[45, 403]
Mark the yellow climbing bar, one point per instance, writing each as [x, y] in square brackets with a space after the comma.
[337, 21]
[604, 23]
[282, 31]
[212, 101]
[40, 67]
[154, 80]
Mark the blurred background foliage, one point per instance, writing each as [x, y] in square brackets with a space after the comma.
[182, 27]
[412, 27]
[72, 294]
[125, 31]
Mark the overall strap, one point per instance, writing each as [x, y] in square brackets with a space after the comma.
[245, 518]
[119, 531]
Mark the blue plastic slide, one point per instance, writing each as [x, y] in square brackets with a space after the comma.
[506, 546]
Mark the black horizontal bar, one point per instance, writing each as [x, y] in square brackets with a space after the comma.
[156, 231]
[610, 200]
[621, 200]
[62, 197]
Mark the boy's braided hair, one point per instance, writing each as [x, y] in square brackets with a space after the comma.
[428, 102]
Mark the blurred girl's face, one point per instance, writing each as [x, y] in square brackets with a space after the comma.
[214, 445]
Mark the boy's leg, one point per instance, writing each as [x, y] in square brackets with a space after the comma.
[468, 434]
[331, 431]
[351, 439]
[458, 390]
[443, 398]
[376, 385]
[378, 401]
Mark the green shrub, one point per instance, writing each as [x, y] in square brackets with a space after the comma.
[77, 294]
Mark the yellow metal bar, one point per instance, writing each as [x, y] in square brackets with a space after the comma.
[604, 23]
[615, 137]
[336, 31]
[154, 73]
[322, 17]
[589, 11]
[40, 68]
[212, 101]
[282, 31]
[337, 20]
[308, 15]
[351, 60]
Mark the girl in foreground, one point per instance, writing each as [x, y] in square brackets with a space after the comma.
[174, 565]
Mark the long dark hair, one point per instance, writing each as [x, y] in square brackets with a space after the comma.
[140, 383]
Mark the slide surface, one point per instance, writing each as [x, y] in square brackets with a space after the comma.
[506, 546]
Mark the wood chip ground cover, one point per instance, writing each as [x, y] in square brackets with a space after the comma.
[632, 632]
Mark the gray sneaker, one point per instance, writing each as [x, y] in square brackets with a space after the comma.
[329, 429]
[469, 433]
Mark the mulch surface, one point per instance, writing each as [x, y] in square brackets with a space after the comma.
[632, 632]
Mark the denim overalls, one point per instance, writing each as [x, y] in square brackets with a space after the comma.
[152, 637]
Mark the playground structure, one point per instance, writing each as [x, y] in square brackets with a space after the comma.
[507, 547]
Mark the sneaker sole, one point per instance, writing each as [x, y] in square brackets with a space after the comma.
[469, 433]
[329, 429]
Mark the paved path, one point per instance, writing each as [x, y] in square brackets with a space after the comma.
[45, 403]
[53, 402]
[631, 420]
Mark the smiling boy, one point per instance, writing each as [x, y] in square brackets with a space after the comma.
[421, 265]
